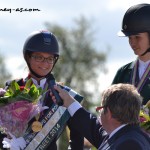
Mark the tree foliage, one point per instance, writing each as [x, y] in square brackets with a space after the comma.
[4, 74]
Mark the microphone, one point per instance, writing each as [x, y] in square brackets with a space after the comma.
[59, 101]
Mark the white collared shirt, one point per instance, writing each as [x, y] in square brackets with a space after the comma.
[42, 83]
[116, 130]
[142, 67]
[73, 108]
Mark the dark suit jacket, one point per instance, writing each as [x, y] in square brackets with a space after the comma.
[124, 74]
[129, 137]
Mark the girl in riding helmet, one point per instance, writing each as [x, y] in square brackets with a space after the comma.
[41, 52]
[136, 26]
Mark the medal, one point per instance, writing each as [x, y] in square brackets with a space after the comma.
[36, 126]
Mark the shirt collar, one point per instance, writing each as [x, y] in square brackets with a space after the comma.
[42, 82]
[116, 130]
[142, 63]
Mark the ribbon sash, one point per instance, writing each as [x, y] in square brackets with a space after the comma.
[53, 124]
[145, 76]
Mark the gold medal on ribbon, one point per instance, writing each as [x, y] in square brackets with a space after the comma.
[36, 126]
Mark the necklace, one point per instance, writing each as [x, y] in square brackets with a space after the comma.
[37, 125]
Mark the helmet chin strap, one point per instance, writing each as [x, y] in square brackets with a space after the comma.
[148, 50]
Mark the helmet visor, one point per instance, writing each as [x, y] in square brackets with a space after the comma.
[127, 33]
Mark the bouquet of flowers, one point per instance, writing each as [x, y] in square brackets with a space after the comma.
[145, 117]
[18, 105]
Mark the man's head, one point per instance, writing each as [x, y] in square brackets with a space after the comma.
[121, 104]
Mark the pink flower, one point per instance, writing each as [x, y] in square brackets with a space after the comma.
[15, 116]
[21, 109]
[142, 119]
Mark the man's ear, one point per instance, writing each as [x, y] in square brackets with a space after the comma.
[109, 114]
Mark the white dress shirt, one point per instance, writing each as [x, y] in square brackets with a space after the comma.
[73, 108]
[42, 83]
[142, 67]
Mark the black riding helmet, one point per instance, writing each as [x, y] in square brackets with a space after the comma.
[136, 20]
[41, 41]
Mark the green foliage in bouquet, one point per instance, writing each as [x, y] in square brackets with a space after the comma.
[145, 117]
[14, 93]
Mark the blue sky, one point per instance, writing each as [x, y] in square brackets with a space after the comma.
[107, 16]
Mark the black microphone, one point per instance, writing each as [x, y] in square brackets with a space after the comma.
[59, 101]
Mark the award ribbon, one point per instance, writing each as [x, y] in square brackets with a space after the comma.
[145, 76]
[53, 126]
[53, 123]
